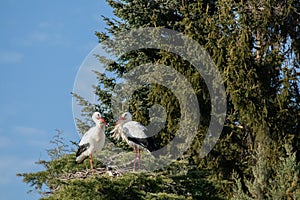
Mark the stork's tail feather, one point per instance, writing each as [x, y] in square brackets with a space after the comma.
[82, 148]
[79, 157]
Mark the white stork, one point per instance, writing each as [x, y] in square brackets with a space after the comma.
[133, 133]
[92, 141]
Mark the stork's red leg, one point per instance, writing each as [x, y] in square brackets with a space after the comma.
[139, 155]
[91, 162]
[135, 149]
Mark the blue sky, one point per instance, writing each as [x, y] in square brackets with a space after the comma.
[42, 45]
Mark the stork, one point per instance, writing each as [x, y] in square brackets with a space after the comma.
[133, 133]
[92, 141]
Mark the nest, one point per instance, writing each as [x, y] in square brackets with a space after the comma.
[83, 174]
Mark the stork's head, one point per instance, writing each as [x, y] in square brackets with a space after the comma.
[125, 117]
[98, 119]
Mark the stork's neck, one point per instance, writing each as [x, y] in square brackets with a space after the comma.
[125, 121]
[100, 125]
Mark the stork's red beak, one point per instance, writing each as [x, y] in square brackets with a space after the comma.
[121, 119]
[102, 120]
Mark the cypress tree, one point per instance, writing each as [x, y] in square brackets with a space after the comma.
[255, 45]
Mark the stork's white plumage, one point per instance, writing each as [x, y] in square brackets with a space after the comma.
[92, 141]
[133, 133]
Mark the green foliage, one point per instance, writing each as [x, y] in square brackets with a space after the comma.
[277, 181]
[141, 185]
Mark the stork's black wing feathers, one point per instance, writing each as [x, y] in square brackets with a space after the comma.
[147, 143]
[82, 148]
